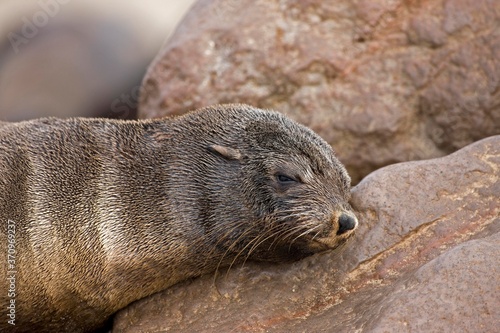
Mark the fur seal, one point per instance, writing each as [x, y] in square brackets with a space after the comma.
[99, 213]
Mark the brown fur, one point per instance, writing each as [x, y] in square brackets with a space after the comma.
[107, 212]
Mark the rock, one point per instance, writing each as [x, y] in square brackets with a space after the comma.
[78, 58]
[382, 81]
[425, 259]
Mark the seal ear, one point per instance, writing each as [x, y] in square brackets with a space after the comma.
[226, 152]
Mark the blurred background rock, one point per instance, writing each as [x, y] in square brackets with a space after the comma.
[79, 58]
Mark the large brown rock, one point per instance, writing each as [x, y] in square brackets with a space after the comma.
[425, 259]
[382, 81]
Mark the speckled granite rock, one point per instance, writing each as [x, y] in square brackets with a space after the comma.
[382, 81]
[425, 259]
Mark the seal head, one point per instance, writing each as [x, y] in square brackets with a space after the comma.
[289, 191]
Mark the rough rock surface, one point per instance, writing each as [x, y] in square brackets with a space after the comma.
[383, 81]
[425, 259]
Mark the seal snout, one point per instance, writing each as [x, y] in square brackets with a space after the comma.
[346, 223]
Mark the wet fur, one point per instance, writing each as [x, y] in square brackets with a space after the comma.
[109, 211]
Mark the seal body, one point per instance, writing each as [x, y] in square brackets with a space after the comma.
[99, 213]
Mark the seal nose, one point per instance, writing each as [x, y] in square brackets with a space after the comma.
[346, 223]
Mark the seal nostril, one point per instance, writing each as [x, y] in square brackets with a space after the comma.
[346, 223]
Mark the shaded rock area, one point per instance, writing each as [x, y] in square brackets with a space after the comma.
[382, 81]
[425, 259]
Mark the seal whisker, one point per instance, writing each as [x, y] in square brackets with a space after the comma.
[256, 241]
[229, 248]
[233, 244]
[309, 231]
[293, 231]
[286, 234]
[262, 239]
[316, 235]
[222, 238]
